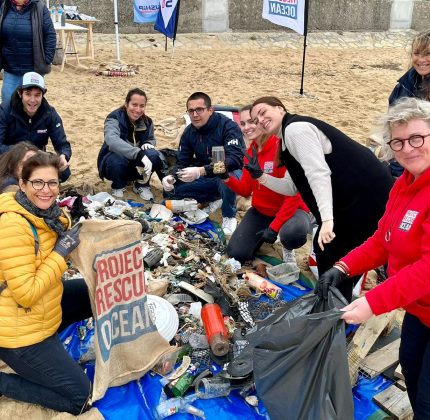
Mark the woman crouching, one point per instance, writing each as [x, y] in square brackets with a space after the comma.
[34, 302]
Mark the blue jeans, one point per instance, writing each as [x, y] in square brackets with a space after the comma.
[205, 190]
[46, 374]
[121, 170]
[414, 357]
[246, 239]
[10, 83]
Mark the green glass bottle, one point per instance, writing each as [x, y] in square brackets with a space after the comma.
[185, 381]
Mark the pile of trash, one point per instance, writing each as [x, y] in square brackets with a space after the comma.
[202, 302]
[117, 70]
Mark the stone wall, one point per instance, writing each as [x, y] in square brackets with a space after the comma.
[245, 15]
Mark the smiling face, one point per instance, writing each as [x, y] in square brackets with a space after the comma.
[249, 129]
[135, 108]
[268, 117]
[44, 198]
[421, 59]
[415, 160]
[31, 100]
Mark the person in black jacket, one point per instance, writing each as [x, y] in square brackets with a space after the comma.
[27, 42]
[29, 117]
[128, 152]
[195, 176]
[415, 83]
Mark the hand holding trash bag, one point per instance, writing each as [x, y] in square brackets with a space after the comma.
[252, 166]
[67, 241]
[357, 312]
[332, 277]
[269, 235]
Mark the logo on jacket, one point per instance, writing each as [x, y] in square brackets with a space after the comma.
[44, 131]
[408, 220]
[232, 142]
[268, 167]
[58, 125]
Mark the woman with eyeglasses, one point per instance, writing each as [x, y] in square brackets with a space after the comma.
[35, 242]
[270, 214]
[342, 182]
[402, 241]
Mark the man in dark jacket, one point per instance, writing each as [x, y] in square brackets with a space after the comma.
[29, 117]
[195, 177]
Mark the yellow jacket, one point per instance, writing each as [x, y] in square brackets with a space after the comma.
[30, 305]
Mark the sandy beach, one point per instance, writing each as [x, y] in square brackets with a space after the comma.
[346, 85]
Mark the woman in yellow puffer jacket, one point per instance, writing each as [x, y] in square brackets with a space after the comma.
[34, 242]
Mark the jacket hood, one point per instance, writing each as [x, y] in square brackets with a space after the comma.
[408, 181]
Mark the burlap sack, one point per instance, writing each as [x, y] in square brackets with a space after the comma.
[127, 342]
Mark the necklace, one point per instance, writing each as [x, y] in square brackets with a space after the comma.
[393, 218]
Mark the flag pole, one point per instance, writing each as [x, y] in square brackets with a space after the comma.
[176, 26]
[304, 45]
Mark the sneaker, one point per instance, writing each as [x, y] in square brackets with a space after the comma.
[289, 257]
[144, 192]
[229, 225]
[213, 206]
[118, 192]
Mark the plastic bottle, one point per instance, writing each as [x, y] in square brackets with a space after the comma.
[212, 388]
[215, 329]
[177, 405]
[60, 13]
[185, 381]
[262, 285]
[63, 18]
[53, 11]
[187, 204]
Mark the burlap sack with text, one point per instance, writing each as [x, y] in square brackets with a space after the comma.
[127, 342]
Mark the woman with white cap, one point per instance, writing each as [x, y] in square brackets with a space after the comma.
[29, 117]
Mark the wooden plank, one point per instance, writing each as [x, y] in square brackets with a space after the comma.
[382, 359]
[363, 340]
[398, 372]
[400, 384]
[395, 402]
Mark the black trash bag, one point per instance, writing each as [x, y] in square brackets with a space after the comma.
[300, 360]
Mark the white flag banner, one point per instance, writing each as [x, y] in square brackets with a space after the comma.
[289, 13]
[167, 8]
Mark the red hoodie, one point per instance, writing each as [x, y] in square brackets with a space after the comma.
[403, 240]
[266, 201]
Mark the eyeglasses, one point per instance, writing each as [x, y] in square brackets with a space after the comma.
[414, 141]
[39, 184]
[198, 111]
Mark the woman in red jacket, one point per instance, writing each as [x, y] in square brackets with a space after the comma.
[403, 241]
[271, 214]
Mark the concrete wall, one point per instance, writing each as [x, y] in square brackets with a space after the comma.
[245, 15]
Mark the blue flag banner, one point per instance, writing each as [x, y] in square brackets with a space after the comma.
[145, 11]
[167, 18]
[289, 13]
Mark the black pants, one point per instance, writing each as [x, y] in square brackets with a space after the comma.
[246, 239]
[46, 374]
[414, 358]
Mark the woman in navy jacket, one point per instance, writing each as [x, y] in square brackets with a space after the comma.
[27, 39]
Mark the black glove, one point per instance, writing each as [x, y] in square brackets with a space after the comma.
[332, 277]
[209, 169]
[269, 235]
[253, 166]
[68, 240]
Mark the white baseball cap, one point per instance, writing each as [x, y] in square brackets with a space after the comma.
[33, 79]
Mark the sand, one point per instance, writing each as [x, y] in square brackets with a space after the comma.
[345, 87]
